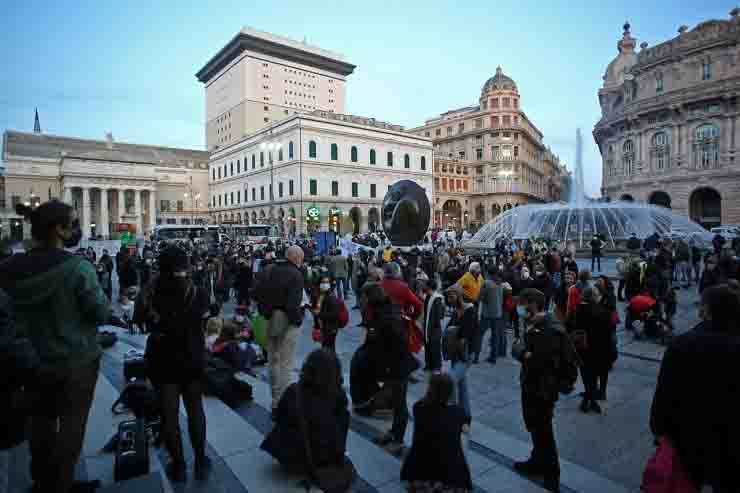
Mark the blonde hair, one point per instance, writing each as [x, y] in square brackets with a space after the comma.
[214, 326]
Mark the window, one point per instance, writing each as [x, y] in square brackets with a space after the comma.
[252, 161]
[494, 103]
[478, 123]
[290, 150]
[423, 163]
[427, 134]
[479, 154]
[516, 120]
[164, 205]
[373, 190]
[406, 161]
[290, 187]
[231, 168]
[254, 194]
[516, 103]
[449, 130]
[353, 154]
[494, 121]
[213, 171]
[238, 196]
[272, 197]
[507, 120]
[461, 127]
[355, 189]
[335, 189]
[313, 187]
[706, 70]
[262, 159]
[461, 154]
[219, 200]
[438, 132]
[628, 157]
[390, 159]
[659, 83]
[507, 102]
[280, 189]
[231, 195]
[706, 147]
[219, 172]
[280, 154]
[484, 105]
[495, 152]
[516, 151]
[334, 152]
[312, 149]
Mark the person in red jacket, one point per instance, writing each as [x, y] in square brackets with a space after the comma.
[398, 291]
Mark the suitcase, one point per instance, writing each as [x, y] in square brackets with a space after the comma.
[132, 451]
[134, 366]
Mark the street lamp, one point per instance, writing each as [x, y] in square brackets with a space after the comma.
[194, 201]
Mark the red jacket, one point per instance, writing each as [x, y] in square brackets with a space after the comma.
[641, 303]
[400, 294]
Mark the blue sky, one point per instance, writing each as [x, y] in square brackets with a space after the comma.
[128, 67]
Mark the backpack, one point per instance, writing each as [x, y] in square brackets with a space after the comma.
[568, 362]
[343, 317]
[140, 398]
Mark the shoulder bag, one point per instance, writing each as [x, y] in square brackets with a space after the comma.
[334, 478]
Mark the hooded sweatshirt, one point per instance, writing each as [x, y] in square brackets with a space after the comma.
[58, 304]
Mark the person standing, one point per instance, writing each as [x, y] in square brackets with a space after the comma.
[339, 270]
[58, 304]
[596, 246]
[471, 282]
[492, 315]
[541, 356]
[279, 295]
[459, 348]
[176, 359]
[326, 308]
[434, 312]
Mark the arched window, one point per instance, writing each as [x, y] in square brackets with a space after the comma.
[628, 157]
[238, 166]
[253, 161]
[406, 161]
[262, 159]
[423, 163]
[660, 151]
[312, 149]
[280, 154]
[390, 159]
[372, 156]
[353, 154]
[706, 147]
[334, 152]
[290, 150]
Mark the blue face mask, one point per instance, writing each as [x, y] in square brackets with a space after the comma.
[521, 311]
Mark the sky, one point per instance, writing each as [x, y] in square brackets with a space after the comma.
[129, 67]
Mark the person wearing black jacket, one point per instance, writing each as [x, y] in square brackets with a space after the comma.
[244, 280]
[175, 358]
[325, 308]
[460, 351]
[316, 406]
[434, 312]
[392, 363]
[540, 357]
[279, 293]
[436, 455]
[696, 384]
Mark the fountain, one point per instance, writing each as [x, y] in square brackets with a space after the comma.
[579, 219]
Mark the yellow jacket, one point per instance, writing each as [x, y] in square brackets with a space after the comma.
[470, 285]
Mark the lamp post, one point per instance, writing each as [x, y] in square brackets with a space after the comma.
[271, 146]
[194, 201]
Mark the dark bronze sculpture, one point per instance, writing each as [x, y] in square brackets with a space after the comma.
[406, 213]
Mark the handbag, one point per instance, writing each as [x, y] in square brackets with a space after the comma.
[316, 335]
[335, 478]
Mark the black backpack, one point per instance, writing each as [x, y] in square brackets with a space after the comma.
[568, 362]
[140, 398]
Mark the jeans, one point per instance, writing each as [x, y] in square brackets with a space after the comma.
[280, 353]
[192, 396]
[400, 408]
[684, 272]
[486, 324]
[595, 259]
[58, 423]
[458, 374]
[556, 279]
[342, 287]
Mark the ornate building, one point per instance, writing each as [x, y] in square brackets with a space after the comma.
[668, 129]
[489, 158]
[108, 182]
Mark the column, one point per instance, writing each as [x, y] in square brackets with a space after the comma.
[85, 206]
[104, 223]
[152, 211]
[121, 204]
[67, 195]
[137, 213]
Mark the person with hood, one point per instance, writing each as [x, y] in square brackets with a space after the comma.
[387, 346]
[58, 304]
[697, 380]
[434, 312]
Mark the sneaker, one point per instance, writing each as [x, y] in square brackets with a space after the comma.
[384, 439]
[528, 468]
[202, 468]
[595, 407]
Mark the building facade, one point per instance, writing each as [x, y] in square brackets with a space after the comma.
[668, 131]
[259, 78]
[109, 183]
[318, 170]
[489, 157]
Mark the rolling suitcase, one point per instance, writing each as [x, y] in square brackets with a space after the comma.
[134, 366]
[132, 451]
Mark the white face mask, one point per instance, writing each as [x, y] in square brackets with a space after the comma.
[324, 287]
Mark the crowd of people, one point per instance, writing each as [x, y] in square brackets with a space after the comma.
[530, 300]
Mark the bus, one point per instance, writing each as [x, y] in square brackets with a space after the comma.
[251, 233]
[172, 232]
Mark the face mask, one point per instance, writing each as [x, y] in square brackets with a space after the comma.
[324, 287]
[239, 318]
[148, 261]
[521, 311]
[76, 235]
[525, 275]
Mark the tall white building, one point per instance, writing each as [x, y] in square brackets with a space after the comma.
[259, 78]
[322, 170]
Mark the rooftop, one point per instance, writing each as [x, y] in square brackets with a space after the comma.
[34, 145]
[358, 120]
[277, 46]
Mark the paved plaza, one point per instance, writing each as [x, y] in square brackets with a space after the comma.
[604, 453]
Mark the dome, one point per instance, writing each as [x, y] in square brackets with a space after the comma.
[625, 60]
[499, 82]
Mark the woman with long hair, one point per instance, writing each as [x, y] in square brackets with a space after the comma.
[436, 461]
[175, 356]
[58, 304]
[316, 405]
